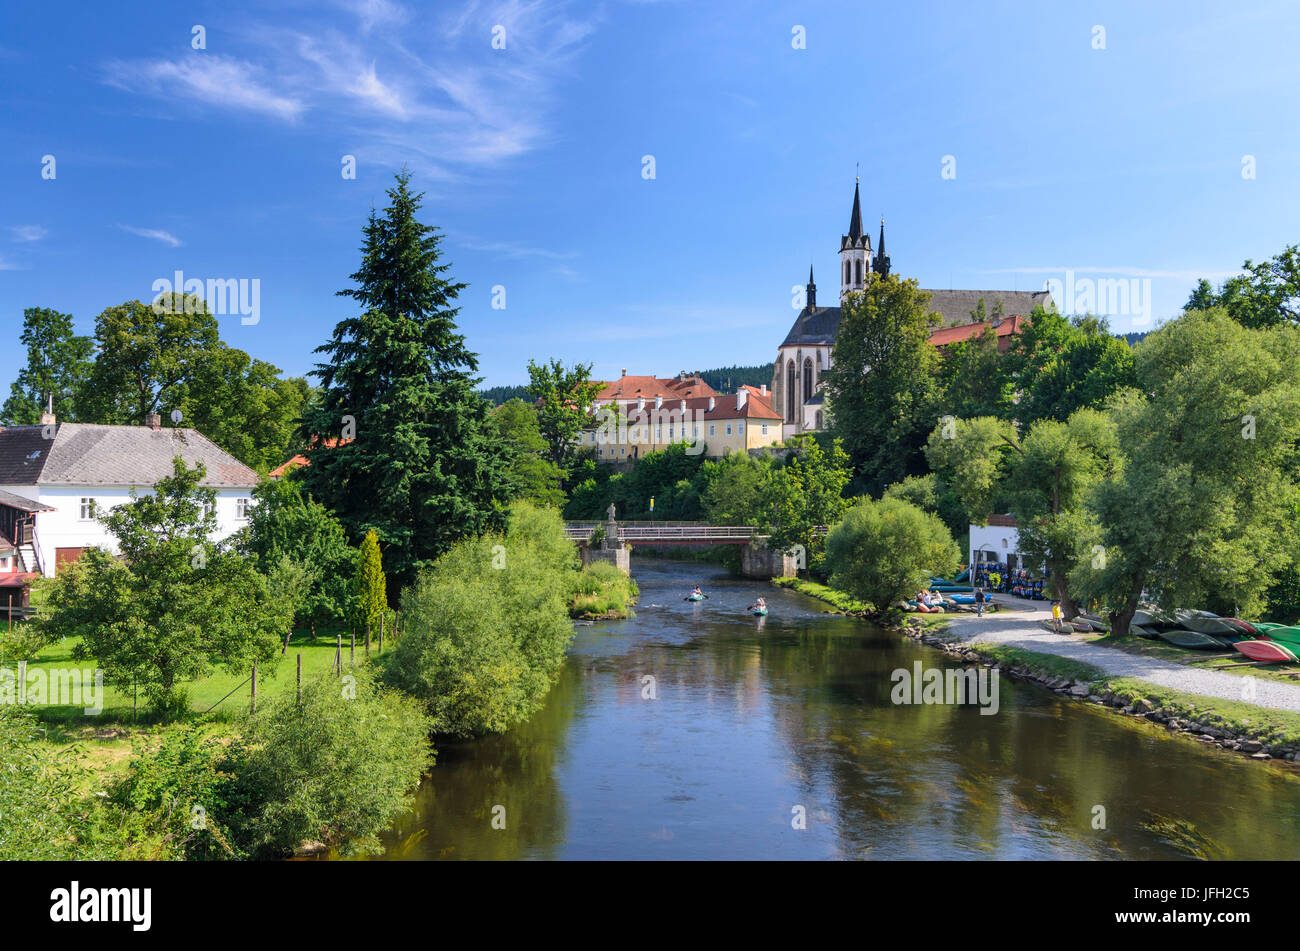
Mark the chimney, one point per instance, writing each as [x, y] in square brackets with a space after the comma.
[623, 373]
[153, 421]
[711, 402]
[765, 389]
[741, 396]
[47, 417]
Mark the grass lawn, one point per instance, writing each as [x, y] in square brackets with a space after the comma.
[1204, 660]
[209, 693]
[821, 592]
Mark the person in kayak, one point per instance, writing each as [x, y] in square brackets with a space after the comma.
[759, 605]
[696, 594]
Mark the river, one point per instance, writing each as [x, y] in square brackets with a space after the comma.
[755, 723]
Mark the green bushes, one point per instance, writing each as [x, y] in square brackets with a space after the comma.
[886, 551]
[602, 590]
[335, 767]
[486, 628]
[39, 815]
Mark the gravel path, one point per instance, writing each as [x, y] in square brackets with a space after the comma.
[1024, 630]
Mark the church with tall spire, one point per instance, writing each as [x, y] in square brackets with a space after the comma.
[806, 353]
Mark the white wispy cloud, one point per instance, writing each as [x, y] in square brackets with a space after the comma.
[7, 265]
[28, 232]
[208, 78]
[405, 84]
[157, 234]
[1178, 275]
[507, 249]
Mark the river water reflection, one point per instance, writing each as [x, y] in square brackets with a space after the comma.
[755, 717]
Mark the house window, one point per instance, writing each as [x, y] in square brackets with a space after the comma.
[695, 430]
[670, 433]
[713, 428]
[858, 266]
[728, 429]
[659, 433]
[242, 508]
[740, 428]
[622, 451]
[764, 429]
[87, 509]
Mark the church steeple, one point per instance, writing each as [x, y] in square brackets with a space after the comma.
[881, 265]
[855, 222]
[812, 291]
[855, 251]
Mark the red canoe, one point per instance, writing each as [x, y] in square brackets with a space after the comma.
[1270, 652]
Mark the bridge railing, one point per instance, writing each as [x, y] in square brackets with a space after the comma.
[680, 531]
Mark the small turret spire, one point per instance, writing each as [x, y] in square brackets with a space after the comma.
[881, 263]
[812, 290]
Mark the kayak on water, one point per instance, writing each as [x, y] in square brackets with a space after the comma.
[761, 612]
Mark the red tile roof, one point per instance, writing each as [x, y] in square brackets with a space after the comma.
[301, 460]
[630, 387]
[724, 407]
[950, 335]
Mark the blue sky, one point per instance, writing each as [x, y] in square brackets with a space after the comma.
[1122, 162]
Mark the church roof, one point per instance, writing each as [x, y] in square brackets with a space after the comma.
[818, 326]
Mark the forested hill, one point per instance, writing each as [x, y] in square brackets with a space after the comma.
[726, 379]
[1133, 338]
[496, 395]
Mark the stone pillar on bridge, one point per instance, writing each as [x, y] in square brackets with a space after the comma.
[757, 560]
[611, 547]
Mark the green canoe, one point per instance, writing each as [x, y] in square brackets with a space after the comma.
[1193, 640]
[1285, 635]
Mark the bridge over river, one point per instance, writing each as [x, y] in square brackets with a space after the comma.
[757, 559]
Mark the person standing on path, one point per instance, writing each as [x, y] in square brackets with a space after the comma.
[979, 601]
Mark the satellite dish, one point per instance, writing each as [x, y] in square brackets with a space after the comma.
[176, 416]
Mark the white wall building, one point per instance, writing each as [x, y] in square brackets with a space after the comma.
[998, 541]
[54, 477]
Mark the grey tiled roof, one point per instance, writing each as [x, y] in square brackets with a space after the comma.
[93, 454]
[22, 504]
[820, 325]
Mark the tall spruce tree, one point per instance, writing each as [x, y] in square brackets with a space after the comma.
[403, 444]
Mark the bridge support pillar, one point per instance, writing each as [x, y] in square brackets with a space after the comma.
[620, 558]
[759, 561]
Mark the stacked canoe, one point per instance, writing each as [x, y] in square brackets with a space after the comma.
[1261, 641]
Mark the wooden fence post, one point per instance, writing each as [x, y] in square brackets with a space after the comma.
[367, 641]
[352, 648]
[338, 653]
[299, 676]
[254, 707]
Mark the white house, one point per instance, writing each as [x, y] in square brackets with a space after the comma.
[997, 542]
[53, 476]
